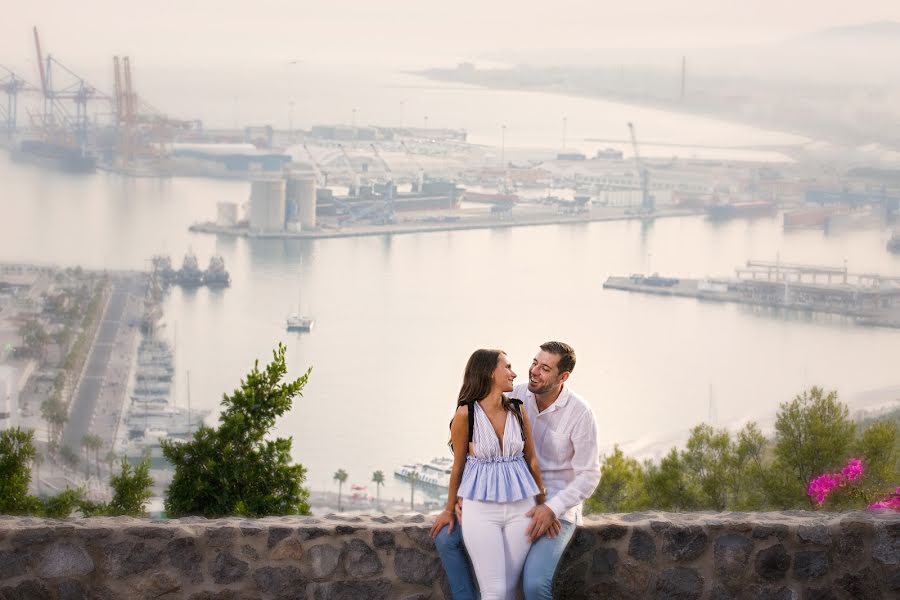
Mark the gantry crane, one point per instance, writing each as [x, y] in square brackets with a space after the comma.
[321, 174]
[55, 114]
[12, 84]
[647, 201]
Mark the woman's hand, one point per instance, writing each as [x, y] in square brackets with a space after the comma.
[445, 518]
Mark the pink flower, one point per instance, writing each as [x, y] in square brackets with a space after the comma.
[853, 470]
[821, 486]
[893, 503]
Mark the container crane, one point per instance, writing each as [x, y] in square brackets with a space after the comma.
[647, 201]
[80, 92]
[321, 174]
[388, 175]
[354, 186]
[11, 84]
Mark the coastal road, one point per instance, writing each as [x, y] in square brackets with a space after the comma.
[84, 403]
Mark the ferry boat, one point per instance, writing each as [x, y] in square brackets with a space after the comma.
[435, 473]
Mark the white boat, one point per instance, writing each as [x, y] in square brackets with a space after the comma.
[298, 321]
[435, 473]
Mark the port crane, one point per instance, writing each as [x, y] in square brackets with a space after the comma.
[355, 179]
[647, 201]
[11, 84]
[80, 93]
[321, 174]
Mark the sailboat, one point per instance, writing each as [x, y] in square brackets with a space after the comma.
[298, 321]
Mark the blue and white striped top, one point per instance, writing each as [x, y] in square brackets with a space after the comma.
[492, 473]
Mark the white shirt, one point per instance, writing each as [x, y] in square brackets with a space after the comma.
[565, 440]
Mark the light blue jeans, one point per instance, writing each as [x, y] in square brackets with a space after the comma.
[540, 566]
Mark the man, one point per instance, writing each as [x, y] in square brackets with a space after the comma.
[565, 440]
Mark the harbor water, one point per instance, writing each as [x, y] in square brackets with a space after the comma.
[397, 316]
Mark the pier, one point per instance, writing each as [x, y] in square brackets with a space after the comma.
[869, 299]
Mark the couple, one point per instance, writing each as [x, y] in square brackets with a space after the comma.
[523, 465]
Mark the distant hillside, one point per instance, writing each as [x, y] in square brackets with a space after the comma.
[880, 32]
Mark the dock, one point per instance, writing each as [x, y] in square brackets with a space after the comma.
[869, 299]
[448, 222]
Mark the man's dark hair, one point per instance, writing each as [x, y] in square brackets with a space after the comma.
[565, 352]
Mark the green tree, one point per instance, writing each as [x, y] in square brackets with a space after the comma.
[669, 485]
[233, 469]
[879, 447]
[813, 435]
[69, 457]
[378, 480]
[34, 338]
[708, 457]
[131, 490]
[749, 469]
[16, 451]
[340, 476]
[621, 486]
[92, 442]
[54, 412]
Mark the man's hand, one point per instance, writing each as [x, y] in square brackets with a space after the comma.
[543, 522]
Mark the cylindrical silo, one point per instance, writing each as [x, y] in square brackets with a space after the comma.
[301, 199]
[267, 203]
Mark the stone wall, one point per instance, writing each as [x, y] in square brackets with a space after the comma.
[718, 556]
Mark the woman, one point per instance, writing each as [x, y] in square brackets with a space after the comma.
[496, 471]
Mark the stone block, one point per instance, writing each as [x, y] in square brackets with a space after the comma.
[603, 563]
[378, 589]
[679, 583]
[320, 561]
[361, 560]
[814, 534]
[730, 557]
[14, 563]
[570, 582]
[683, 544]
[862, 585]
[772, 563]
[226, 568]
[582, 541]
[289, 549]
[761, 532]
[276, 534]
[311, 533]
[26, 590]
[810, 564]
[185, 557]
[414, 566]
[612, 532]
[131, 558]
[771, 592]
[421, 537]
[65, 559]
[285, 583]
[383, 539]
[886, 548]
[642, 546]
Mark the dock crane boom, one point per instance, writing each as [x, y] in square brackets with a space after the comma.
[647, 201]
[321, 175]
[354, 187]
[388, 175]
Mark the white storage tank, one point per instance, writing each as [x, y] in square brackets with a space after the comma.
[226, 214]
[267, 206]
[301, 200]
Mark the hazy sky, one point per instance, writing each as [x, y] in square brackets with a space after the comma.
[213, 31]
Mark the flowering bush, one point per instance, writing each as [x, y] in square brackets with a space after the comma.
[890, 501]
[831, 485]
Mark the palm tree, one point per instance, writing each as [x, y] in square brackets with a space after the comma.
[86, 446]
[69, 457]
[94, 442]
[378, 480]
[37, 461]
[340, 476]
[413, 478]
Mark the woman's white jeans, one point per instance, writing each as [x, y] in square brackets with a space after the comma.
[494, 534]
